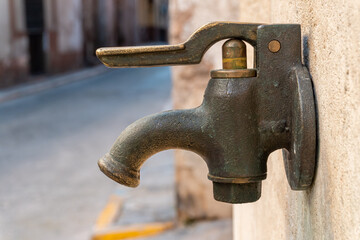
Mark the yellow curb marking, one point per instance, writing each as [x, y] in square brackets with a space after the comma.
[110, 212]
[133, 231]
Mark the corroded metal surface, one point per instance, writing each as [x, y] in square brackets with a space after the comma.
[299, 170]
[241, 120]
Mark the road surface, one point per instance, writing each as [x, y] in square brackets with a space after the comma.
[50, 185]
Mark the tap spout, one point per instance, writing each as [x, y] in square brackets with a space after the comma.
[166, 130]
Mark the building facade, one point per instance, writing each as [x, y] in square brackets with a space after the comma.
[54, 36]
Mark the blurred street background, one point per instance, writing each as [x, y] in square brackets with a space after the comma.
[61, 110]
[48, 37]
[50, 184]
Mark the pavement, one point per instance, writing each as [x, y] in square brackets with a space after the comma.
[204, 230]
[43, 82]
[154, 199]
[52, 135]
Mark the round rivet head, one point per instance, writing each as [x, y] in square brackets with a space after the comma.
[274, 46]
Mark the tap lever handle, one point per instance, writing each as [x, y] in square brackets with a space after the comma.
[189, 52]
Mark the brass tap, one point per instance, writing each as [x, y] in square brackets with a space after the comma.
[246, 113]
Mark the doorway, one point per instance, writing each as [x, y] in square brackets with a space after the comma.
[34, 17]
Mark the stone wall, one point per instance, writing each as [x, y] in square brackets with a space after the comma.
[194, 190]
[330, 209]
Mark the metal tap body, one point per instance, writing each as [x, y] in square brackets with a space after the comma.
[246, 114]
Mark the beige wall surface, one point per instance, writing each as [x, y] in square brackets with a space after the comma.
[194, 190]
[13, 43]
[5, 30]
[331, 208]
[69, 25]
